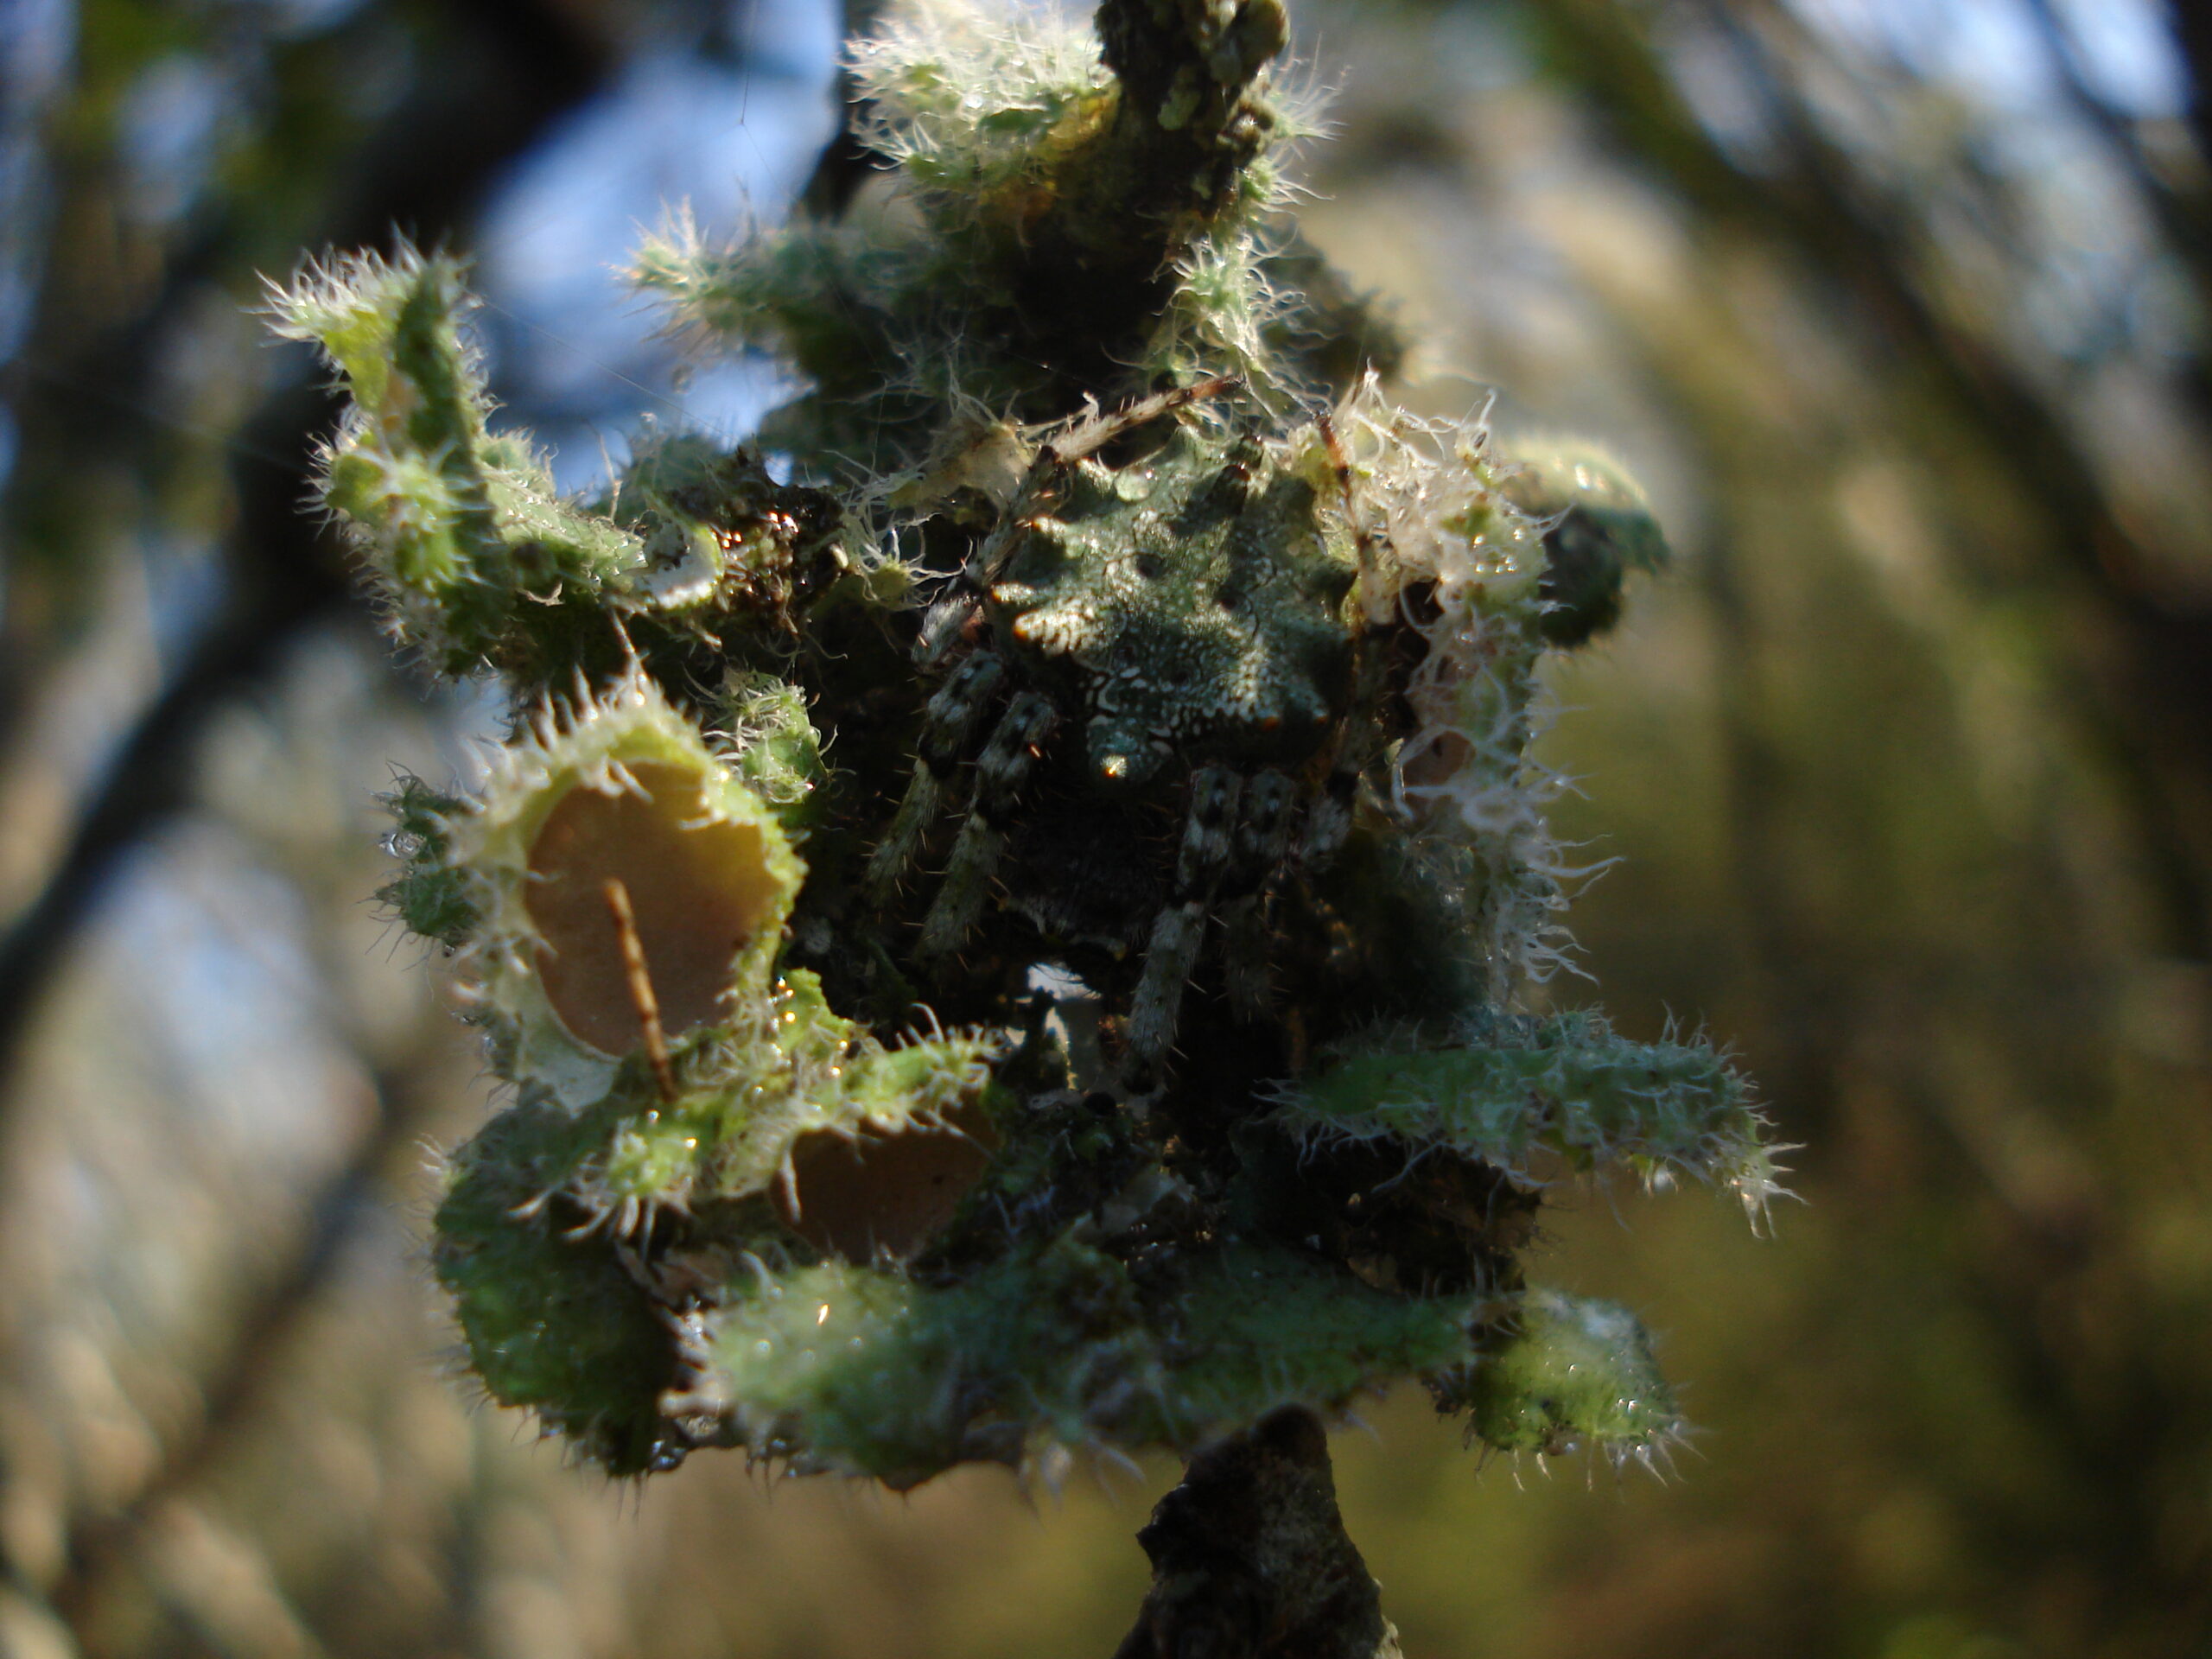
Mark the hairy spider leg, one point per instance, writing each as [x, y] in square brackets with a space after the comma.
[1356, 744]
[1329, 824]
[1001, 771]
[951, 717]
[1355, 748]
[1209, 846]
[1263, 834]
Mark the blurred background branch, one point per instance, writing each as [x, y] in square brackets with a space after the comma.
[1901, 310]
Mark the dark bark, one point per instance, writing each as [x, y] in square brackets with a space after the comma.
[1250, 1559]
[2193, 31]
[848, 159]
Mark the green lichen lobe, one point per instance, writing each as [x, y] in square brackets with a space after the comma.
[461, 527]
[431, 896]
[1515, 1093]
[1564, 1373]
[856, 1369]
[552, 1322]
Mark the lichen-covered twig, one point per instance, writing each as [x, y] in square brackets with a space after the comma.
[1250, 1559]
[1014, 928]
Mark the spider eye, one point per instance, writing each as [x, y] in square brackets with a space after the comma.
[1122, 754]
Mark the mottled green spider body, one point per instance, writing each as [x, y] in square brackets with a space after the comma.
[1183, 617]
[1191, 602]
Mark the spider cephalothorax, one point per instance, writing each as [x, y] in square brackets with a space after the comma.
[1166, 639]
[1191, 602]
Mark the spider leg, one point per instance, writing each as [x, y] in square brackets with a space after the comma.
[1209, 846]
[1001, 771]
[1358, 736]
[1329, 825]
[948, 722]
[1353, 754]
[1358, 745]
[1263, 834]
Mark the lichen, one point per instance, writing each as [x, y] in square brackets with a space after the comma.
[1564, 1092]
[1563, 1373]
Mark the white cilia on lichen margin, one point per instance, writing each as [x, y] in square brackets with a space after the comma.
[617, 787]
[1451, 555]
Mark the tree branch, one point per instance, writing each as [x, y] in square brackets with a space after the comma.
[1250, 1559]
[251, 1373]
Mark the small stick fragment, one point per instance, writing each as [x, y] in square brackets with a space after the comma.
[641, 985]
[1088, 438]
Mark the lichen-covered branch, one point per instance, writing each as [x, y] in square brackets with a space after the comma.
[1250, 1559]
[1010, 911]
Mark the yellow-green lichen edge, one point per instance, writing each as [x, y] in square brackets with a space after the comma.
[1563, 1373]
[617, 787]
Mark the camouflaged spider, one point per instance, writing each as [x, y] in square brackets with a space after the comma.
[1188, 611]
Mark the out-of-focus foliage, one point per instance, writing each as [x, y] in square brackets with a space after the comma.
[1898, 310]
